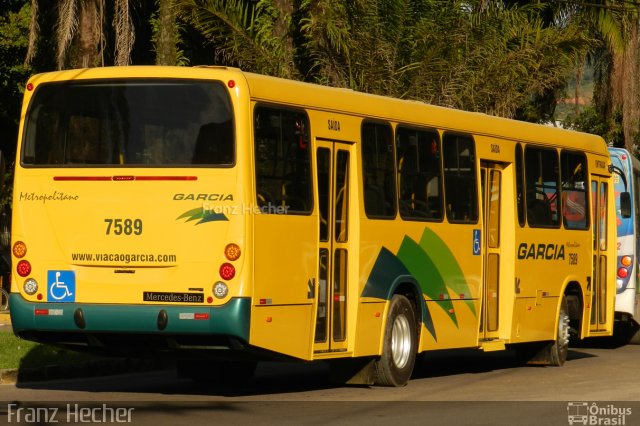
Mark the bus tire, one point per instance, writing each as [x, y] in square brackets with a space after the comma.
[558, 350]
[395, 365]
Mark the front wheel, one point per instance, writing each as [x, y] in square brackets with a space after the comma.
[395, 365]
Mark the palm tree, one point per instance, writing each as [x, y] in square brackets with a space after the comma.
[80, 33]
[471, 54]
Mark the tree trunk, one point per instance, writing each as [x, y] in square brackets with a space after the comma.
[166, 35]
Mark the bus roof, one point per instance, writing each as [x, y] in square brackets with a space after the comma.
[296, 93]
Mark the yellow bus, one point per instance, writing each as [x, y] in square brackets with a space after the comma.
[225, 217]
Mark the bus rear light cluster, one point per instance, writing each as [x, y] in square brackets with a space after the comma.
[626, 262]
[227, 271]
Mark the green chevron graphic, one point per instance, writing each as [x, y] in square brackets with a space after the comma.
[203, 215]
[431, 264]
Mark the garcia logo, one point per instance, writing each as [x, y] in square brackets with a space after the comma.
[541, 251]
[203, 197]
[594, 414]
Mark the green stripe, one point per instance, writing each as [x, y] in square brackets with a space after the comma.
[230, 319]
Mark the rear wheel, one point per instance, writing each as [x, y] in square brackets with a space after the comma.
[559, 349]
[554, 353]
[395, 365]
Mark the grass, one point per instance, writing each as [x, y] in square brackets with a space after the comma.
[23, 354]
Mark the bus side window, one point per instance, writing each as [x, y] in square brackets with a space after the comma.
[541, 176]
[378, 171]
[419, 174]
[282, 161]
[574, 192]
[461, 193]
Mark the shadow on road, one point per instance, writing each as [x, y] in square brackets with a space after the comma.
[285, 378]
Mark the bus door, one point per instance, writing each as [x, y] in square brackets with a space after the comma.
[491, 181]
[333, 161]
[599, 209]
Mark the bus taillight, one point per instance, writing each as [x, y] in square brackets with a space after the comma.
[626, 261]
[232, 252]
[227, 271]
[623, 272]
[19, 249]
[23, 268]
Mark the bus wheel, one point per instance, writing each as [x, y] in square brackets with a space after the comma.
[558, 350]
[395, 365]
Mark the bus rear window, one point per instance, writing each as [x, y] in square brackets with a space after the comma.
[133, 123]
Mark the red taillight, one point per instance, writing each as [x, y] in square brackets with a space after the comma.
[23, 268]
[231, 84]
[623, 272]
[227, 271]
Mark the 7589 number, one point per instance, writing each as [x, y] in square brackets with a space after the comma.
[123, 226]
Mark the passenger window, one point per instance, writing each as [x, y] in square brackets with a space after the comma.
[574, 190]
[520, 186]
[419, 174]
[282, 161]
[541, 175]
[460, 182]
[378, 171]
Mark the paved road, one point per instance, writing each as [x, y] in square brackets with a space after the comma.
[453, 388]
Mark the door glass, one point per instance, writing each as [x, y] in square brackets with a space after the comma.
[340, 295]
[493, 233]
[342, 196]
[323, 296]
[324, 190]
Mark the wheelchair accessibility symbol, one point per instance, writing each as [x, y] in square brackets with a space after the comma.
[476, 242]
[61, 286]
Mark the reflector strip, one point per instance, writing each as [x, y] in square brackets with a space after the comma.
[166, 177]
[49, 312]
[91, 178]
[193, 316]
[123, 178]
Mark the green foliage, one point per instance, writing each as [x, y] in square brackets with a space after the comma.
[590, 121]
[14, 30]
[474, 55]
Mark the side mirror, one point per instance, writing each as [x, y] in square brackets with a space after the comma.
[625, 205]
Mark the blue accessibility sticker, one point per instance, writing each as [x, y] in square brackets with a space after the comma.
[476, 242]
[61, 286]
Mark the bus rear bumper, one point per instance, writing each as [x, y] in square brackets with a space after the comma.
[112, 327]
